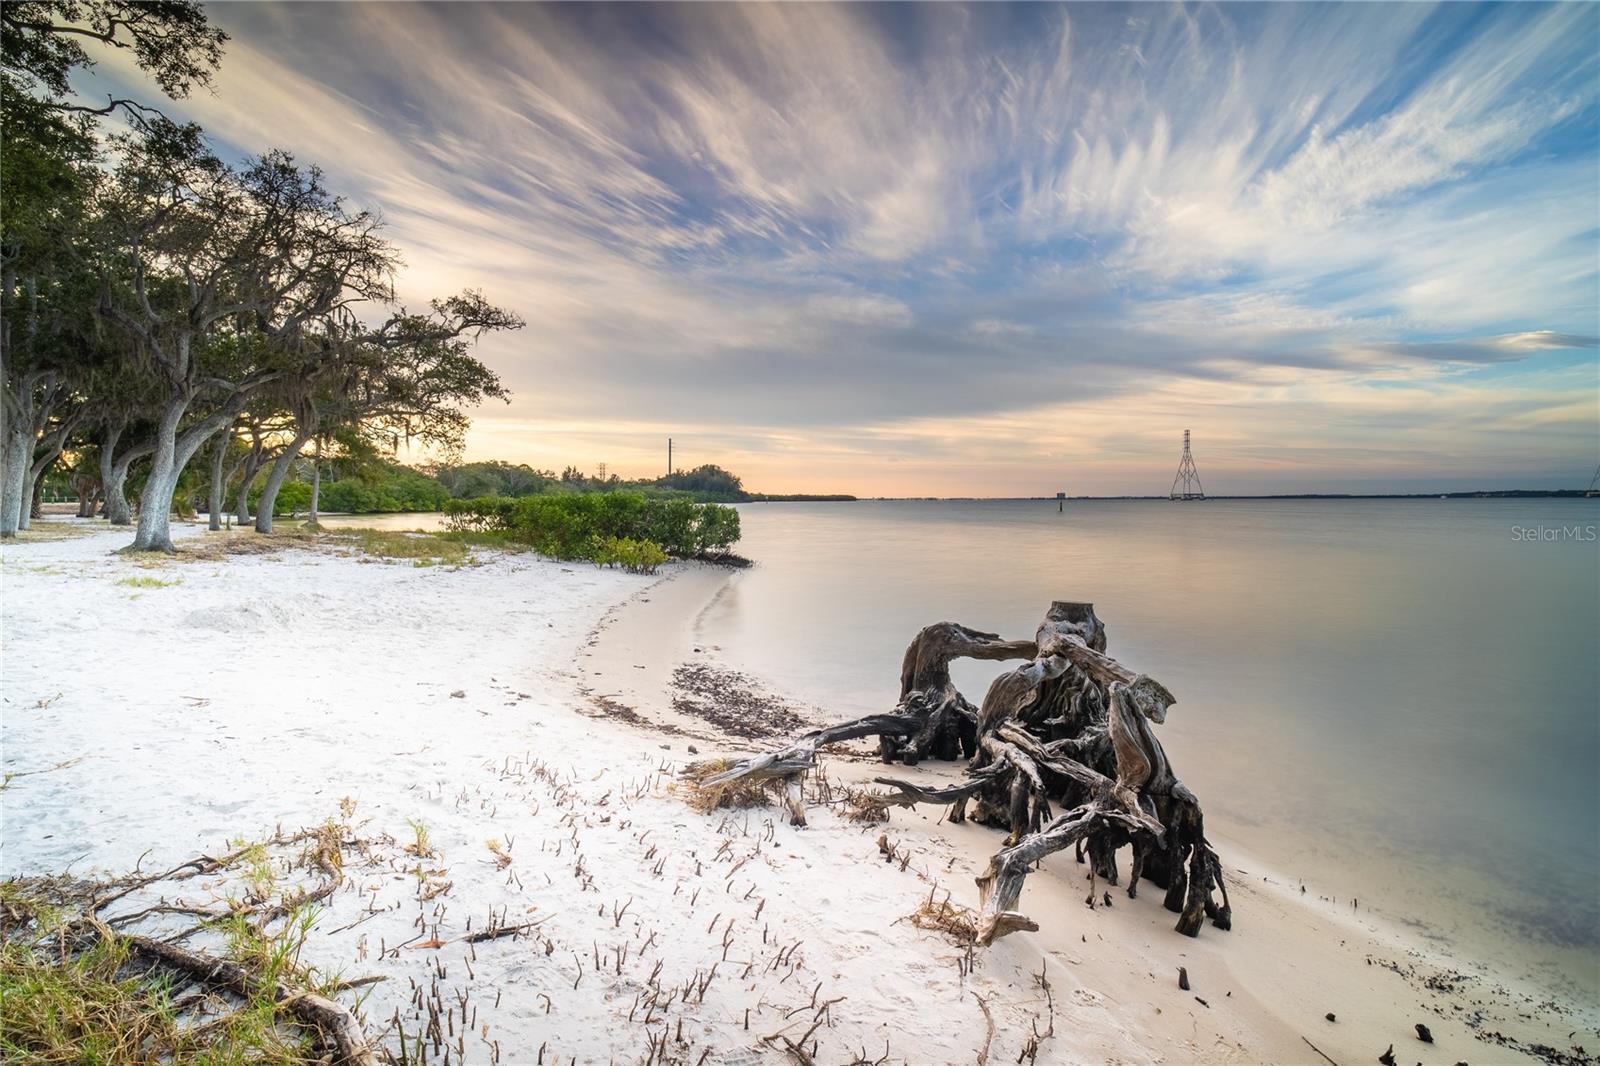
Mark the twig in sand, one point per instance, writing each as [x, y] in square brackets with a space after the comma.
[12, 775]
[1319, 1051]
[988, 1039]
[796, 1048]
[505, 930]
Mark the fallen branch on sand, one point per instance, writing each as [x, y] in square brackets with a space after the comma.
[76, 950]
[1071, 727]
[337, 1025]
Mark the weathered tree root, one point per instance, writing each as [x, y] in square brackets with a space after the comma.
[948, 722]
[339, 1028]
[1071, 727]
[792, 762]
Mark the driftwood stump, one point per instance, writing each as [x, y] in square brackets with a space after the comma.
[1070, 729]
[948, 728]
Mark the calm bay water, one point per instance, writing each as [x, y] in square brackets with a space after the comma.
[1391, 699]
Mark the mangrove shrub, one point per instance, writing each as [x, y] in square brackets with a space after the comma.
[576, 526]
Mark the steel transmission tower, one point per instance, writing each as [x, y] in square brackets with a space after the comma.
[1186, 486]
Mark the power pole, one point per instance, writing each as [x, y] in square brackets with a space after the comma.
[669, 456]
[1186, 486]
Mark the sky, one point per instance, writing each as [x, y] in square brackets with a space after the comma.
[991, 250]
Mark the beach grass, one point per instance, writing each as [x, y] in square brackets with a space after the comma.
[452, 548]
[44, 530]
[955, 921]
[147, 582]
[74, 993]
[418, 548]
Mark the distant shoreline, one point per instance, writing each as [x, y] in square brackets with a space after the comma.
[1497, 494]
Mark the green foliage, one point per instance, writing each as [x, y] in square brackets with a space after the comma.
[488, 514]
[370, 485]
[146, 583]
[419, 549]
[708, 482]
[293, 497]
[470, 481]
[398, 492]
[576, 525]
[634, 556]
[43, 44]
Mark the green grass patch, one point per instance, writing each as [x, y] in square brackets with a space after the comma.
[421, 549]
[74, 991]
[148, 582]
[80, 1010]
[69, 999]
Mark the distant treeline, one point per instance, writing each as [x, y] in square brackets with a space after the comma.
[708, 484]
[798, 497]
[392, 487]
[368, 484]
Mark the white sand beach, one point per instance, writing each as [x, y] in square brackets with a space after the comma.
[521, 712]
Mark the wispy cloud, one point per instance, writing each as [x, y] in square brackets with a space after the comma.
[863, 232]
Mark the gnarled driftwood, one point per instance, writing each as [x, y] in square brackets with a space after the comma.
[1070, 729]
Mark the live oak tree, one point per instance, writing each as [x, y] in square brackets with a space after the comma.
[154, 299]
[206, 261]
[49, 181]
[123, 435]
[52, 356]
[47, 153]
[409, 378]
[43, 41]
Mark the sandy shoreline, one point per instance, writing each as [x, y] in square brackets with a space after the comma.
[488, 704]
[1306, 955]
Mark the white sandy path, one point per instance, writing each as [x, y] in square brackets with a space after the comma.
[260, 691]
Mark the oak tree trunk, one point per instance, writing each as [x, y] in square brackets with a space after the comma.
[118, 510]
[155, 501]
[316, 491]
[275, 480]
[171, 454]
[219, 454]
[14, 474]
